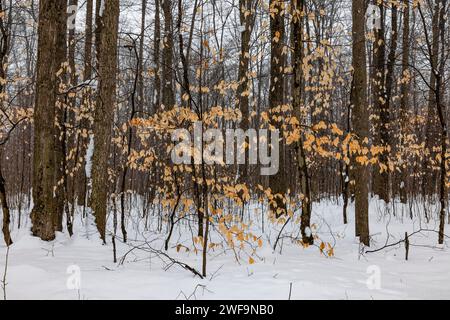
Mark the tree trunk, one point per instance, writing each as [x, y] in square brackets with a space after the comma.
[404, 103]
[85, 125]
[380, 106]
[45, 210]
[104, 112]
[61, 119]
[432, 126]
[360, 118]
[5, 209]
[277, 182]
[298, 7]
[141, 100]
[168, 99]
[4, 49]
[156, 58]
[247, 22]
[389, 84]
[442, 114]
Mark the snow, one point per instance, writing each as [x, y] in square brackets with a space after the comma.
[82, 268]
[102, 8]
[89, 155]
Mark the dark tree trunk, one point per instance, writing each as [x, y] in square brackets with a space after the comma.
[380, 105]
[277, 182]
[5, 209]
[156, 58]
[247, 19]
[298, 7]
[104, 112]
[168, 97]
[45, 210]
[404, 104]
[360, 118]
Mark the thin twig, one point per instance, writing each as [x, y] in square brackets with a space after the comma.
[4, 273]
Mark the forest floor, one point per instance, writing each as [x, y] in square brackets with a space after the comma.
[41, 270]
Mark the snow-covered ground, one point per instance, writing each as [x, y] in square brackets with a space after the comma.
[40, 270]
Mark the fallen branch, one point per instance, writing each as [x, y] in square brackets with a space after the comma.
[160, 253]
[181, 264]
[403, 241]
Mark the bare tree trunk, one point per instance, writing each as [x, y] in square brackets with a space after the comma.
[168, 99]
[45, 210]
[277, 182]
[391, 64]
[156, 57]
[61, 119]
[69, 142]
[82, 140]
[387, 132]
[5, 208]
[71, 51]
[187, 91]
[129, 143]
[141, 101]
[5, 27]
[247, 19]
[437, 58]
[298, 7]
[442, 114]
[405, 86]
[346, 190]
[432, 134]
[360, 118]
[104, 112]
[381, 179]
[388, 176]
